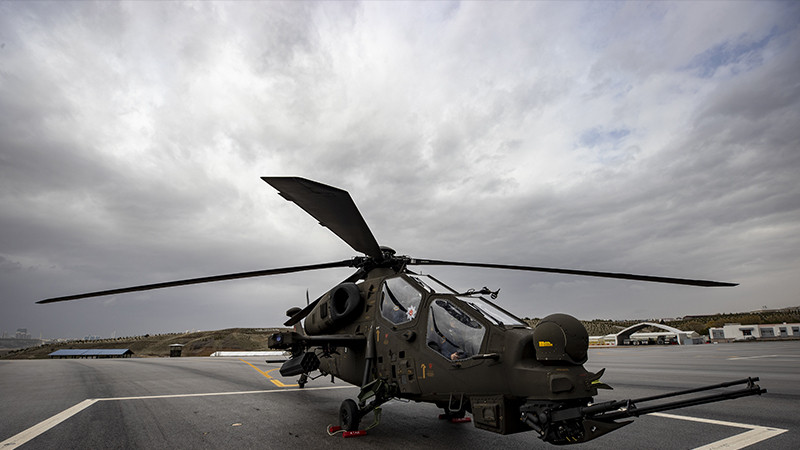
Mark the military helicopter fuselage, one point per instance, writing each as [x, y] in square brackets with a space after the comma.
[424, 341]
[398, 333]
[421, 327]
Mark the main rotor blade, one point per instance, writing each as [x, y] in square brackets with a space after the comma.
[300, 315]
[332, 207]
[231, 276]
[622, 276]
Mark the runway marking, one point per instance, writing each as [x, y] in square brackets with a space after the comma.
[756, 433]
[21, 438]
[763, 356]
[209, 394]
[269, 377]
[43, 426]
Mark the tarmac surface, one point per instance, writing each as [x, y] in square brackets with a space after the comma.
[244, 403]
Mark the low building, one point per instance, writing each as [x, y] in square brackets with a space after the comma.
[634, 336]
[603, 341]
[739, 332]
[22, 333]
[175, 350]
[92, 353]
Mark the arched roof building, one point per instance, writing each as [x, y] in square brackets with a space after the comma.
[683, 337]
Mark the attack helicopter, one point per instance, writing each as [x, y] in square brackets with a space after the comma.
[401, 334]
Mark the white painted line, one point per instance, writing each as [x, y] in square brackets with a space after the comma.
[743, 440]
[751, 357]
[756, 433]
[209, 394]
[34, 431]
[763, 356]
[21, 438]
[700, 419]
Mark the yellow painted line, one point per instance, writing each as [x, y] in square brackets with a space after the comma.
[271, 370]
[269, 377]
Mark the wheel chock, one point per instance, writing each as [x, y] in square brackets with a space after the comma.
[357, 433]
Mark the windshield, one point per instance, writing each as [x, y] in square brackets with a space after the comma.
[480, 304]
[399, 300]
[491, 311]
[452, 332]
[431, 284]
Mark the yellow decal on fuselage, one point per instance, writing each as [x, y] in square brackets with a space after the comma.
[545, 344]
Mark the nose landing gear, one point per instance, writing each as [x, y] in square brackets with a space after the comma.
[349, 415]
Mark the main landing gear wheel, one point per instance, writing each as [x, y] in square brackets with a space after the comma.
[349, 415]
[302, 381]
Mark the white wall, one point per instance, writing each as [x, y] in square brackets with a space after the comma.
[739, 332]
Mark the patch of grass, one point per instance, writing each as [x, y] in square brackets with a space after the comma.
[199, 343]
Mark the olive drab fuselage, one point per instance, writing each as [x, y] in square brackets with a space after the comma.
[416, 355]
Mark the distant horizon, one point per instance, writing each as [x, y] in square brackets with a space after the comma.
[648, 319]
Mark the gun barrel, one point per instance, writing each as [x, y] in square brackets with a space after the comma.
[583, 423]
[629, 408]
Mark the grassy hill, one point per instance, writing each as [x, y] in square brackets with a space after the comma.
[700, 324]
[199, 343]
[204, 343]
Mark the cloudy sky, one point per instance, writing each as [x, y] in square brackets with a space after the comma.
[657, 138]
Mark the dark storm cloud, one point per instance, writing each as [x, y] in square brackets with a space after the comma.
[621, 137]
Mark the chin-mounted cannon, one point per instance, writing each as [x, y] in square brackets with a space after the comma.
[558, 424]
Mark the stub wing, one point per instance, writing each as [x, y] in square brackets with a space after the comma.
[290, 340]
[303, 360]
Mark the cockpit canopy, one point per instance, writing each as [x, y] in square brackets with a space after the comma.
[401, 297]
[456, 323]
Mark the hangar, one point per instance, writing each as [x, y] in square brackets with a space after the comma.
[631, 336]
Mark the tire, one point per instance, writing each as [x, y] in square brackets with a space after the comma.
[349, 415]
